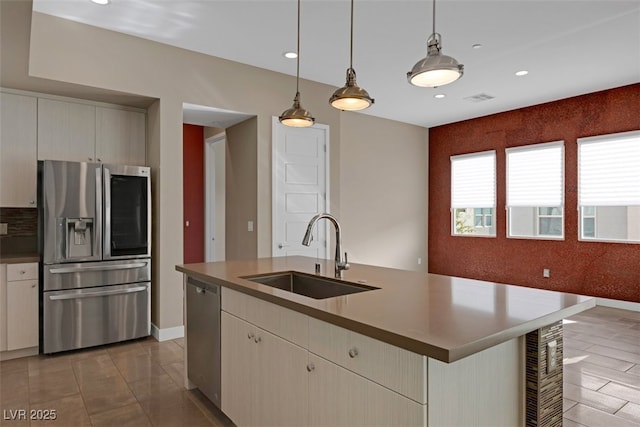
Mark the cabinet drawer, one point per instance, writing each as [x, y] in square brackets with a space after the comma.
[280, 321]
[25, 271]
[393, 367]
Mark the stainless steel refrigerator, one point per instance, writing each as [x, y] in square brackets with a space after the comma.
[94, 230]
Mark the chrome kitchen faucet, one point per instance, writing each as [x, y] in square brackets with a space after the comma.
[308, 237]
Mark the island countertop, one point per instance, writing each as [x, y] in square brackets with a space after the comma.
[446, 318]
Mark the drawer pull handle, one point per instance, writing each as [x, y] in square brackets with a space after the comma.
[23, 272]
[250, 335]
[64, 270]
[353, 352]
[257, 339]
[78, 295]
[311, 367]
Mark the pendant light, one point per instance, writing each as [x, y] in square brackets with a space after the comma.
[296, 116]
[436, 69]
[351, 97]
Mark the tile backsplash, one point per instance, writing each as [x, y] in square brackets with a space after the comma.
[22, 230]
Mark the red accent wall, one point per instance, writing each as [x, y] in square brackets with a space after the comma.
[193, 192]
[609, 270]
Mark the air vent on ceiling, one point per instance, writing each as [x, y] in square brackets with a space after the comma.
[479, 97]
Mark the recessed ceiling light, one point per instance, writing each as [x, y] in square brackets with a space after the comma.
[521, 73]
[439, 96]
[290, 55]
[101, 2]
[476, 46]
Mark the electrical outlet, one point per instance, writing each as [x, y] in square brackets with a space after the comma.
[546, 273]
[250, 226]
[552, 356]
[4, 229]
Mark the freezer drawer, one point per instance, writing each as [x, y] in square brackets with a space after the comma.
[94, 316]
[89, 274]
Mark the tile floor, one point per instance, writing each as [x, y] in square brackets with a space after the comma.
[602, 368]
[139, 383]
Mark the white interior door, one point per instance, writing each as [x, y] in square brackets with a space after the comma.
[215, 206]
[300, 188]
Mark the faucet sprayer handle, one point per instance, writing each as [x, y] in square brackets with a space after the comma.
[346, 261]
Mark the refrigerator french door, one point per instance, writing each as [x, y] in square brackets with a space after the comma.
[95, 245]
[127, 214]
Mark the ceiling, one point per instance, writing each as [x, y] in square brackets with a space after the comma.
[569, 47]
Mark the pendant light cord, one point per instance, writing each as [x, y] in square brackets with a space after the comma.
[351, 45]
[298, 59]
[434, 16]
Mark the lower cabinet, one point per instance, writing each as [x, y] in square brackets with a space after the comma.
[270, 381]
[339, 397]
[264, 377]
[19, 306]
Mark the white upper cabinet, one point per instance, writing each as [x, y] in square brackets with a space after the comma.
[18, 150]
[120, 136]
[66, 131]
[90, 133]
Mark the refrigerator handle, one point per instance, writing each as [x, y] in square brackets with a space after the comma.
[99, 230]
[64, 270]
[105, 210]
[97, 294]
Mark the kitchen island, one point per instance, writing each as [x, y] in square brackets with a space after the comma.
[418, 349]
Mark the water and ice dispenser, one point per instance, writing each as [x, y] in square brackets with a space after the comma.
[76, 238]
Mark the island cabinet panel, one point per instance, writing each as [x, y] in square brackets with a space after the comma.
[482, 389]
[285, 323]
[403, 371]
[340, 397]
[264, 378]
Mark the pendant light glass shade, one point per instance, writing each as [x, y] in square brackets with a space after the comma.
[296, 116]
[436, 69]
[351, 97]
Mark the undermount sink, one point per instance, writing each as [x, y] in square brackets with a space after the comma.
[308, 285]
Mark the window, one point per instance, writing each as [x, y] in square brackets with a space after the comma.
[473, 194]
[609, 187]
[588, 221]
[535, 191]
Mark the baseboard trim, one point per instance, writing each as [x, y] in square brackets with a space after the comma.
[15, 354]
[167, 333]
[614, 303]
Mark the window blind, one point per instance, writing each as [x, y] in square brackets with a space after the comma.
[609, 170]
[473, 180]
[535, 175]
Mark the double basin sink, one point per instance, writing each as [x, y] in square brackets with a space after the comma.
[309, 285]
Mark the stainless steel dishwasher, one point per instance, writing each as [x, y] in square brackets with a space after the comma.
[203, 337]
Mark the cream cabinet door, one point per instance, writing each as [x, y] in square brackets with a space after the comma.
[237, 365]
[22, 314]
[18, 150]
[339, 397]
[120, 136]
[404, 372]
[3, 307]
[264, 377]
[66, 131]
[281, 382]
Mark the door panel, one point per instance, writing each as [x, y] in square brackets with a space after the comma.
[300, 188]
